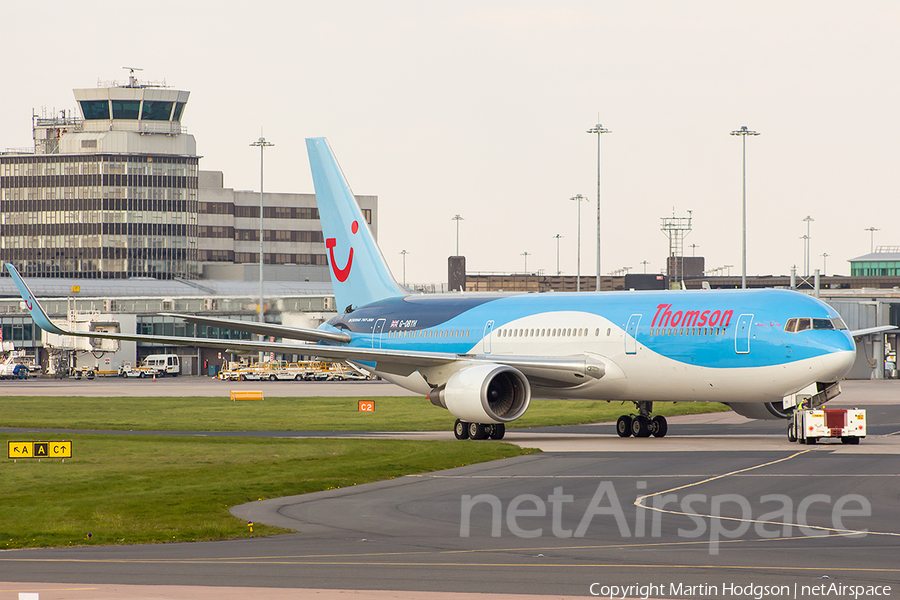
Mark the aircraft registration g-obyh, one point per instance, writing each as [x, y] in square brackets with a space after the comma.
[483, 357]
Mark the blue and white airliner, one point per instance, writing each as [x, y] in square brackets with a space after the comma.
[483, 357]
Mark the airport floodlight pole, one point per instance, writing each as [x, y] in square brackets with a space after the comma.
[558, 237]
[263, 144]
[457, 218]
[805, 239]
[744, 132]
[645, 263]
[808, 219]
[526, 254]
[824, 258]
[599, 130]
[872, 230]
[404, 253]
[578, 200]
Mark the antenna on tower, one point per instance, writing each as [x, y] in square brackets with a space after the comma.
[676, 229]
[132, 81]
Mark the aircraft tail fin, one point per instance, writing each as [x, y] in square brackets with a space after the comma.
[38, 315]
[359, 272]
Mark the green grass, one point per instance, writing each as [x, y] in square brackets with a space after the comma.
[145, 489]
[289, 414]
[142, 489]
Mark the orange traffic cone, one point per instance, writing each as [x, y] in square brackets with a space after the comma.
[154, 376]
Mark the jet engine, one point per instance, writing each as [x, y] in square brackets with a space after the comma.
[487, 393]
[768, 411]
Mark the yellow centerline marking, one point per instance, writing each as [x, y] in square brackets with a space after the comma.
[529, 565]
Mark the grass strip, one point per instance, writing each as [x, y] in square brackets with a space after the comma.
[403, 413]
[148, 489]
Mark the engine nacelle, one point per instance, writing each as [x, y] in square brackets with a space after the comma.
[487, 393]
[768, 411]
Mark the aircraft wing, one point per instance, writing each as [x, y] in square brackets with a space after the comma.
[550, 370]
[858, 333]
[282, 331]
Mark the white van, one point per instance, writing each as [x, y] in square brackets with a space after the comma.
[162, 364]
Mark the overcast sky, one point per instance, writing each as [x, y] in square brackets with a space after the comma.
[481, 109]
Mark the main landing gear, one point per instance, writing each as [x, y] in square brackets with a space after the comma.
[478, 431]
[642, 425]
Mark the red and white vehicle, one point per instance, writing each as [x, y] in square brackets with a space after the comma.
[809, 425]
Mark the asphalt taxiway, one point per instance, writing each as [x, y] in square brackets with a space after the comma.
[720, 501]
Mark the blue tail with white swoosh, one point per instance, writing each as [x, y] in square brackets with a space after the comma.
[359, 272]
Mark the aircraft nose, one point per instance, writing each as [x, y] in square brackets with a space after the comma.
[837, 364]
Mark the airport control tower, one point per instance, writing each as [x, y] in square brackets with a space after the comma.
[111, 194]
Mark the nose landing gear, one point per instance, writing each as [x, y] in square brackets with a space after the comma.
[642, 425]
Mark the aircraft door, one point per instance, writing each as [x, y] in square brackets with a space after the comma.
[486, 340]
[742, 334]
[376, 333]
[631, 334]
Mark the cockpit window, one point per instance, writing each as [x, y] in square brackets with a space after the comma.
[823, 324]
[797, 325]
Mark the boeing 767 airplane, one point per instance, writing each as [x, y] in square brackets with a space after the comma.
[483, 357]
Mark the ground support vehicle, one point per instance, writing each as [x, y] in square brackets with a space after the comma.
[16, 366]
[284, 371]
[129, 370]
[808, 425]
[85, 372]
[158, 365]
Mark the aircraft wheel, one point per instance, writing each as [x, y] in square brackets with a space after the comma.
[792, 436]
[640, 426]
[659, 426]
[477, 431]
[623, 426]
[498, 430]
[461, 430]
[849, 440]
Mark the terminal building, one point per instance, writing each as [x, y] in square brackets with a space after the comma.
[111, 219]
[116, 192]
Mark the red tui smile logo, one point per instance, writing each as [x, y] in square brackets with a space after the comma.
[330, 243]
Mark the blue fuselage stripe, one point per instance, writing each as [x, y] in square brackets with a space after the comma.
[717, 329]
